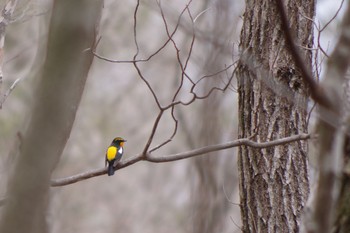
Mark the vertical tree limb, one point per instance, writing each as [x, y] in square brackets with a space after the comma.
[328, 188]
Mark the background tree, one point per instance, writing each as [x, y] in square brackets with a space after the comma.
[212, 172]
[329, 208]
[61, 83]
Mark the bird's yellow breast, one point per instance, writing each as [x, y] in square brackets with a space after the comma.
[111, 153]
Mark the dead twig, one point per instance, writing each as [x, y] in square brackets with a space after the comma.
[8, 92]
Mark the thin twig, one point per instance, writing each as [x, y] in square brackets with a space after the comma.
[136, 54]
[200, 13]
[139, 60]
[154, 129]
[182, 69]
[239, 228]
[8, 92]
[227, 198]
[334, 16]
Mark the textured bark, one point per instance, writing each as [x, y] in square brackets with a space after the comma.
[274, 183]
[59, 90]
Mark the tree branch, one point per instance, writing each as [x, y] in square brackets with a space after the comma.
[5, 18]
[176, 100]
[317, 92]
[179, 156]
[8, 92]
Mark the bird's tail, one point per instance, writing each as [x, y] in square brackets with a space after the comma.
[110, 169]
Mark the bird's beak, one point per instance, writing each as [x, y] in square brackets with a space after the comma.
[124, 141]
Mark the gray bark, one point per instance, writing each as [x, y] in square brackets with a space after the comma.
[274, 183]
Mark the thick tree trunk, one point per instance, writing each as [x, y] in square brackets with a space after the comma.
[274, 183]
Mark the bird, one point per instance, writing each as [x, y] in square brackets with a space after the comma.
[114, 153]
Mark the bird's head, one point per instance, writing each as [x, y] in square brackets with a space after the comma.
[119, 141]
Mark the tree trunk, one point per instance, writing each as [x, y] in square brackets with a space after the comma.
[274, 183]
[342, 210]
[60, 87]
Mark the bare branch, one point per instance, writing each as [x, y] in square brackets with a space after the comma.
[154, 129]
[183, 67]
[135, 31]
[178, 51]
[93, 173]
[228, 199]
[316, 90]
[179, 156]
[334, 16]
[194, 98]
[238, 227]
[200, 14]
[8, 92]
[172, 135]
[238, 142]
[5, 19]
[144, 59]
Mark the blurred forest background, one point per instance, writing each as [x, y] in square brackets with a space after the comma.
[194, 195]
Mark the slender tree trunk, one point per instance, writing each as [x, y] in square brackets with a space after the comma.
[274, 183]
[342, 215]
[209, 203]
[331, 213]
[60, 87]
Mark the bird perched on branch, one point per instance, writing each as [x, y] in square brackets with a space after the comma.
[114, 154]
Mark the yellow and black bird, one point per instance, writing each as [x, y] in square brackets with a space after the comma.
[114, 154]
